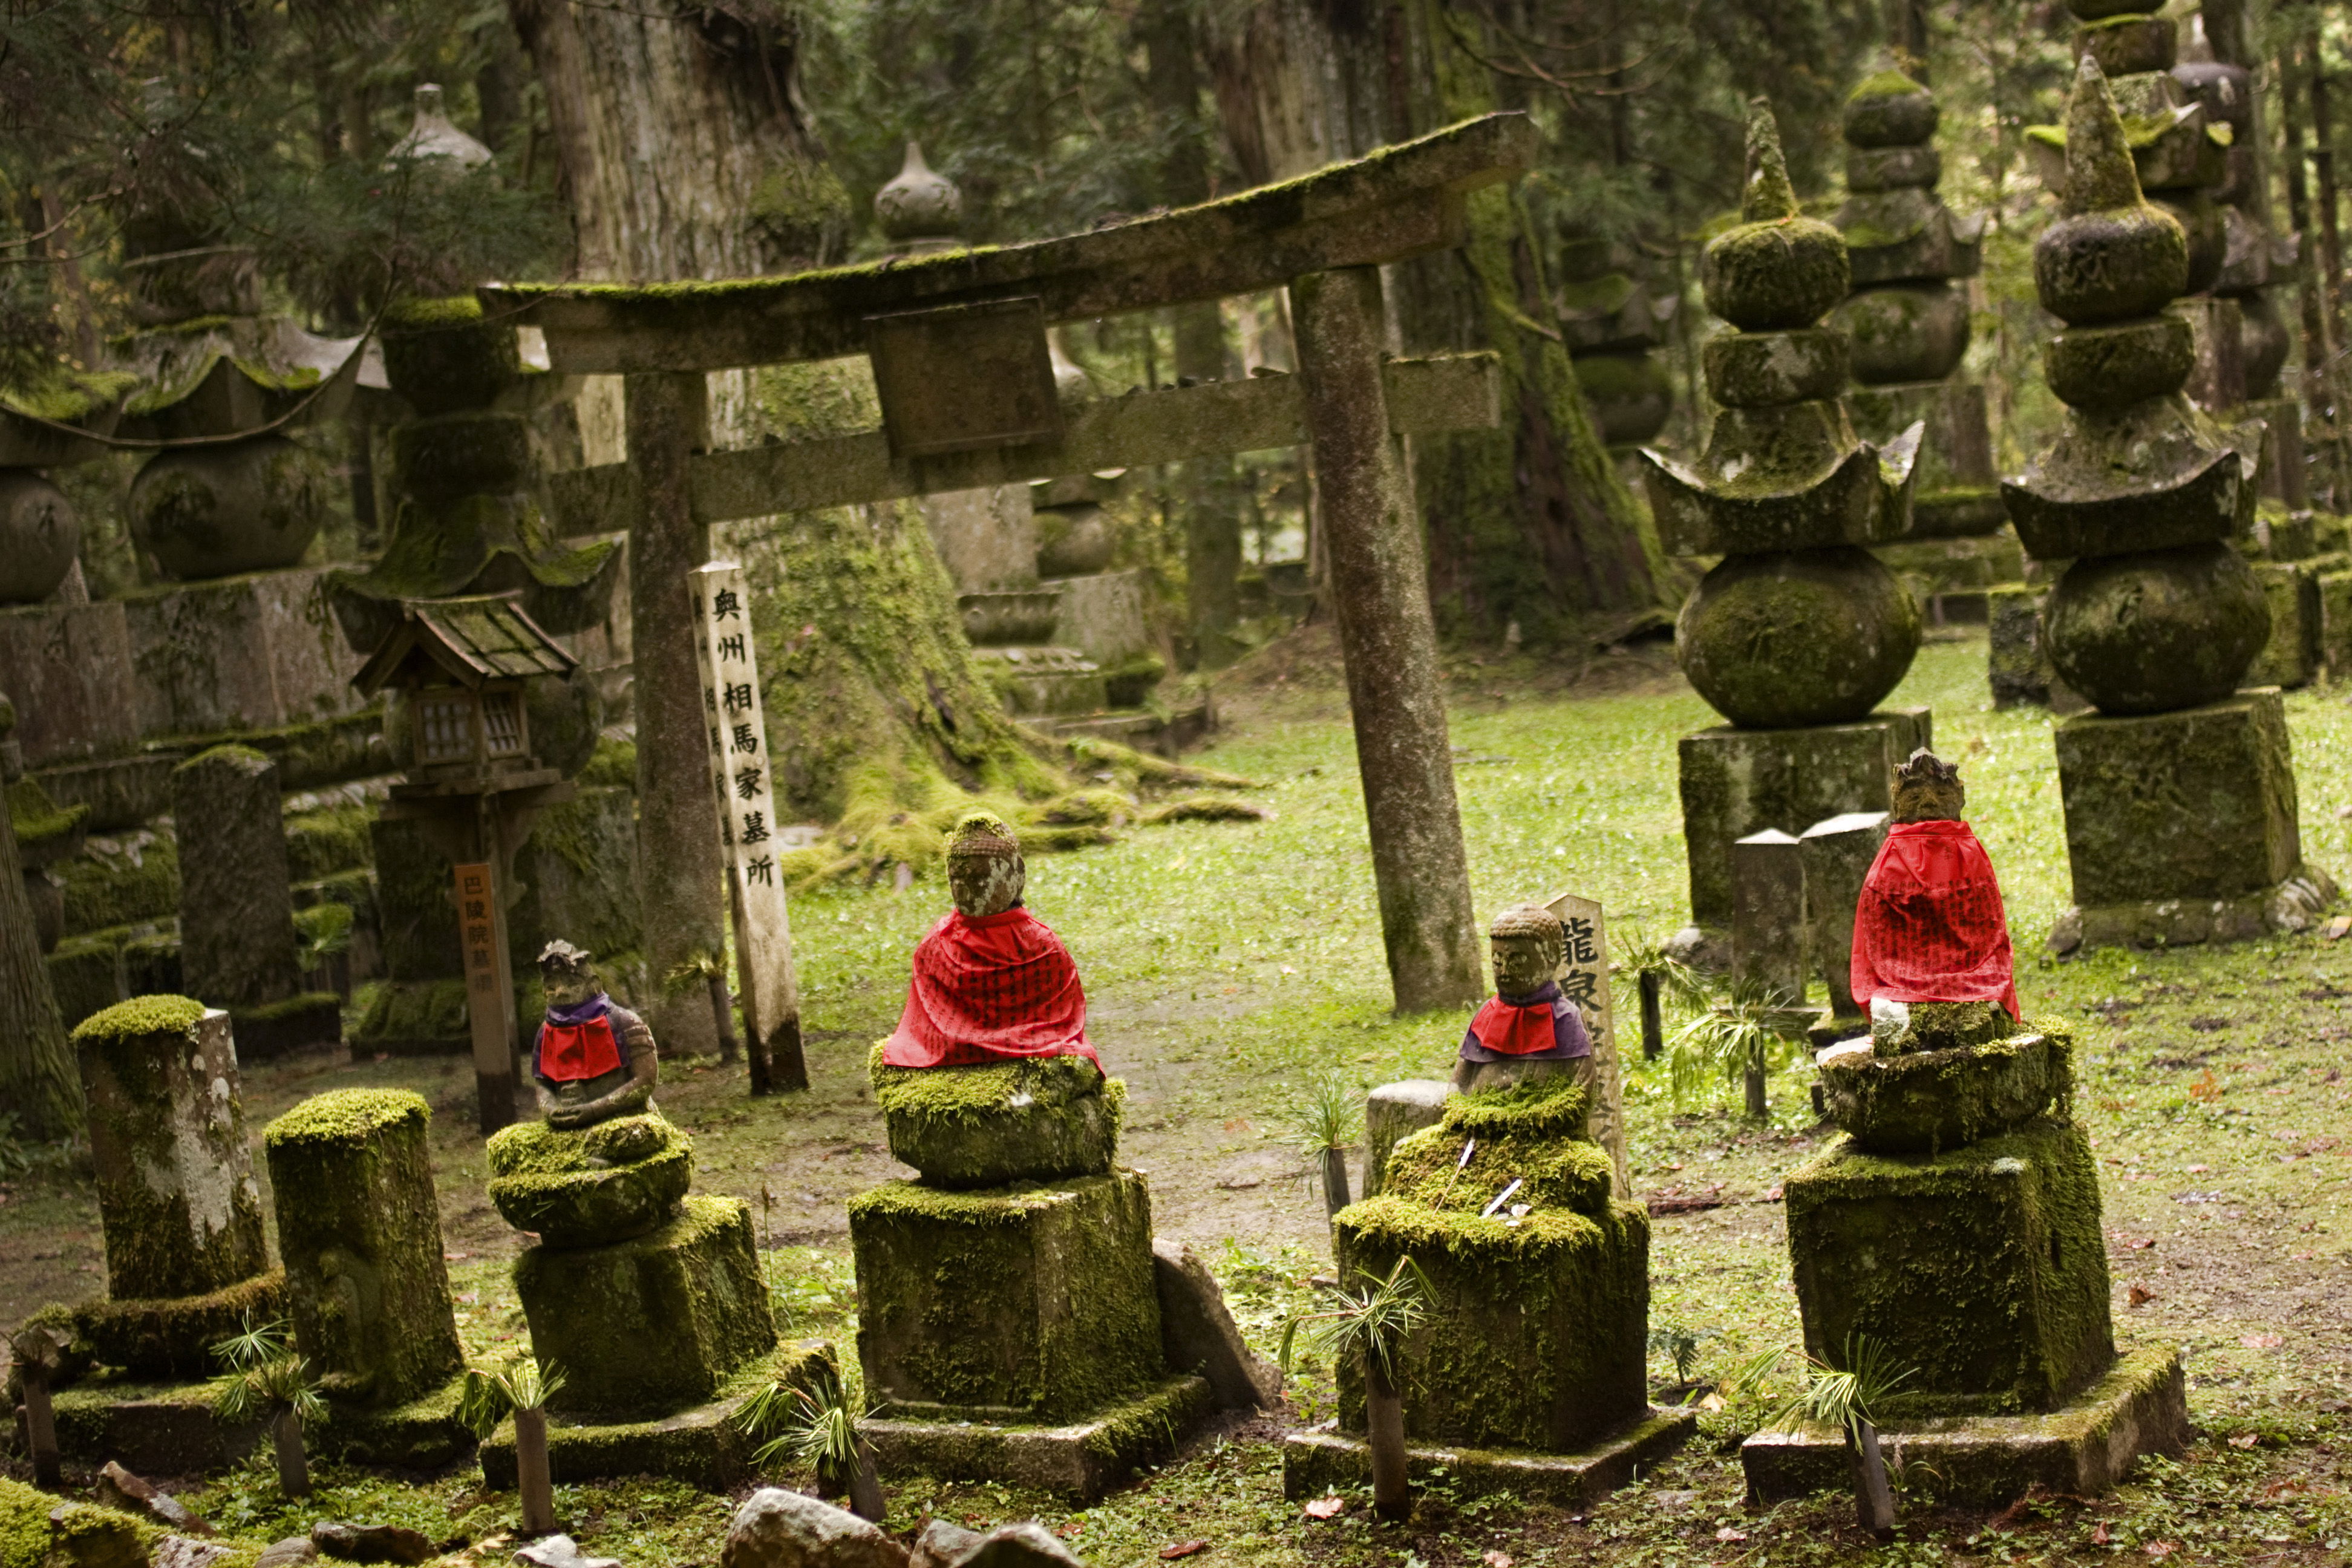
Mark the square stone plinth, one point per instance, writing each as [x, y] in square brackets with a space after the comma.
[1040, 1119]
[648, 1326]
[1316, 1462]
[2291, 658]
[702, 1444]
[2194, 804]
[1026, 1303]
[1739, 782]
[1981, 1269]
[2336, 622]
[169, 1429]
[1082, 1459]
[1536, 1337]
[2080, 1449]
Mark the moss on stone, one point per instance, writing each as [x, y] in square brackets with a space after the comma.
[1031, 1302]
[1535, 1336]
[85, 1535]
[1797, 638]
[323, 842]
[105, 891]
[1039, 1118]
[24, 1524]
[1925, 1101]
[1984, 1269]
[2157, 630]
[1889, 110]
[342, 1115]
[172, 1337]
[593, 1185]
[140, 1017]
[38, 821]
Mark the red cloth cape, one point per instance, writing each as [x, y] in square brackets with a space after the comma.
[1929, 926]
[988, 990]
[569, 1053]
[1515, 1030]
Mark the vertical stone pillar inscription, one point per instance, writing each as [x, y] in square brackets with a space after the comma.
[490, 992]
[744, 779]
[1584, 980]
[1379, 592]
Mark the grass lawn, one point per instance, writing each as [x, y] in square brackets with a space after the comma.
[1227, 964]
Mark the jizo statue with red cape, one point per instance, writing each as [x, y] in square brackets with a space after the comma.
[990, 982]
[1929, 927]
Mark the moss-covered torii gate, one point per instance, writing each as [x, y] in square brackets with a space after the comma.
[958, 345]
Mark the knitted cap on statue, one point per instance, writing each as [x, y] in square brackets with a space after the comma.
[1929, 927]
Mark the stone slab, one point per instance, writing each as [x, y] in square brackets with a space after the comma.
[1739, 782]
[282, 1029]
[2017, 666]
[2295, 904]
[2292, 656]
[1770, 920]
[1325, 1459]
[2334, 623]
[252, 652]
[1958, 493]
[2083, 1448]
[1082, 1459]
[1397, 1110]
[2193, 806]
[169, 1429]
[1838, 852]
[1934, 566]
[121, 792]
[1102, 617]
[68, 667]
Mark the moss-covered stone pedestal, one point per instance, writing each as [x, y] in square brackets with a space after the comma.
[359, 1230]
[650, 1300]
[1009, 1322]
[1957, 1224]
[702, 1444]
[1797, 630]
[1737, 782]
[1529, 1373]
[2182, 827]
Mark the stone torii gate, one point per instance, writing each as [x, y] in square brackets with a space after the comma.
[958, 345]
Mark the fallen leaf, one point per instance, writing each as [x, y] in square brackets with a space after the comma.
[1069, 1532]
[1772, 1195]
[1182, 1549]
[2261, 1341]
[1326, 1507]
[1238, 1124]
[2139, 1296]
[2245, 1439]
[1496, 1559]
[1727, 1534]
[2161, 1548]
[1712, 1402]
[2099, 1536]
[2199, 1170]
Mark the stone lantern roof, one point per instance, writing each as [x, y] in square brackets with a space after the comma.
[471, 641]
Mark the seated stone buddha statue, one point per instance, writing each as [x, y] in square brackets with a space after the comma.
[990, 982]
[593, 1059]
[1929, 928]
[1528, 1028]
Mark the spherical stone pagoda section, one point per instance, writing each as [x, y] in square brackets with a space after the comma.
[1528, 1371]
[2180, 791]
[1798, 633]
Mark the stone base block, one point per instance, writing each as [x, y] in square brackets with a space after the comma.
[647, 1326]
[2193, 806]
[2336, 624]
[153, 1429]
[2295, 904]
[1925, 1101]
[1535, 1336]
[1958, 493]
[1081, 1461]
[1326, 1459]
[1934, 567]
[1025, 1303]
[2283, 477]
[280, 1028]
[414, 1019]
[1983, 1268]
[701, 1445]
[1739, 782]
[1038, 1121]
[1102, 616]
[1397, 1110]
[1044, 680]
[2291, 658]
[2084, 1448]
[174, 1337]
[422, 1434]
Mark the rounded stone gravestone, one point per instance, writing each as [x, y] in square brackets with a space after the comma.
[40, 535]
[215, 511]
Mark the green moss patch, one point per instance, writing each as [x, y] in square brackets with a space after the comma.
[174, 1337]
[37, 820]
[140, 1017]
[346, 1115]
[1924, 1101]
[1038, 1119]
[603, 1183]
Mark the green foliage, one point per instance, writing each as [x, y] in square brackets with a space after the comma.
[814, 1424]
[1371, 1321]
[264, 1375]
[1328, 1117]
[1841, 1398]
[494, 1392]
[1745, 1033]
[1679, 1343]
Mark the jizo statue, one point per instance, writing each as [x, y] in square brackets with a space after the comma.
[1527, 1028]
[1929, 926]
[991, 983]
[593, 1059]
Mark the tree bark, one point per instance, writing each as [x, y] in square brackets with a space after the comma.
[1335, 1181]
[678, 857]
[533, 1483]
[1653, 1028]
[38, 1080]
[1524, 521]
[1380, 598]
[1384, 1430]
[1753, 1080]
[722, 1020]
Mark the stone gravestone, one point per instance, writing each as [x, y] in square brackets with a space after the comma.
[359, 1228]
[1798, 634]
[186, 1253]
[236, 908]
[1584, 980]
[1836, 853]
[2180, 791]
[1770, 921]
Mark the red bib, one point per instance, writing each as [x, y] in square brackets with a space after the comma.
[571, 1052]
[1514, 1030]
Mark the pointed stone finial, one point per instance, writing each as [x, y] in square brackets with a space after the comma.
[433, 136]
[919, 208]
[2198, 49]
[1768, 194]
[2099, 172]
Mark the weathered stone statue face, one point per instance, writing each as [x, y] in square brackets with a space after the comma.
[1927, 789]
[983, 885]
[1521, 964]
[566, 986]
